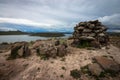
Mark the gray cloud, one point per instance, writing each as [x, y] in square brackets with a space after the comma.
[61, 13]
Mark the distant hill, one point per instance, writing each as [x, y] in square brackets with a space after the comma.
[42, 34]
[12, 33]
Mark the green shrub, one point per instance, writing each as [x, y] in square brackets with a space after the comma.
[85, 70]
[38, 52]
[83, 44]
[63, 59]
[31, 43]
[62, 76]
[63, 68]
[75, 73]
[44, 57]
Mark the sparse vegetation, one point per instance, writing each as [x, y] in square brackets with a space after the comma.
[75, 73]
[63, 59]
[31, 43]
[63, 68]
[52, 62]
[63, 41]
[38, 68]
[115, 39]
[83, 44]
[38, 52]
[62, 76]
[105, 56]
[44, 57]
[85, 70]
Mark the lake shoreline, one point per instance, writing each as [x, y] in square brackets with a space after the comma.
[41, 34]
[27, 38]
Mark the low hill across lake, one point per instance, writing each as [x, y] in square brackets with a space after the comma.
[41, 34]
[48, 34]
[12, 33]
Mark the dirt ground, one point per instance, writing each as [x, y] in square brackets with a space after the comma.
[33, 68]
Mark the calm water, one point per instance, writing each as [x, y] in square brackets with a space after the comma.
[18, 38]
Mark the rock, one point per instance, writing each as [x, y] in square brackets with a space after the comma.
[62, 50]
[36, 44]
[95, 44]
[50, 50]
[26, 50]
[92, 34]
[20, 50]
[80, 28]
[94, 22]
[107, 64]
[101, 34]
[88, 38]
[87, 31]
[95, 69]
[14, 51]
[57, 43]
[91, 26]
[82, 24]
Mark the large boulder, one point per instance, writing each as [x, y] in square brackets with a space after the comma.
[107, 64]
[62, 50]
[95, 69]
[19, 50]
[57, 42]
[36, 44]
[50, 50]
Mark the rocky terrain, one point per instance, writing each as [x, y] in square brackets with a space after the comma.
[61, 59]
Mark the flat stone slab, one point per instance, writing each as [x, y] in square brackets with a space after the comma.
[107, 64]
[95, 69]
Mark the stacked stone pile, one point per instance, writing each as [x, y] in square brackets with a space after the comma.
[92, 33]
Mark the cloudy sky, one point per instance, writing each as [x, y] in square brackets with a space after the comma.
[56, 15]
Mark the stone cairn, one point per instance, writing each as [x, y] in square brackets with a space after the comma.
[90, 34]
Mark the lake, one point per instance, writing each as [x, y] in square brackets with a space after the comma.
[19, 38]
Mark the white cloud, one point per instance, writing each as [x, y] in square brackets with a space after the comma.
[115, 31]
[111, 20]
[23, 22]
[57, 14]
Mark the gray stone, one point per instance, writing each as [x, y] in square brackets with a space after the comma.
[80, 28]
[91, 26]
[57, 43]
[95, 69]
[107, 64]
[62, 50]
[20, 50]
[87, 31]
